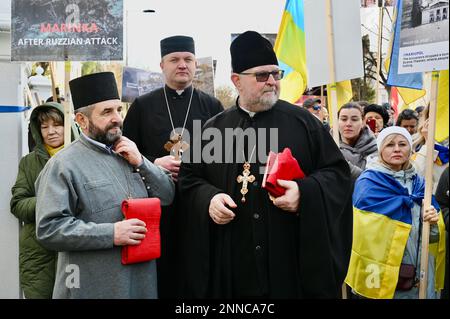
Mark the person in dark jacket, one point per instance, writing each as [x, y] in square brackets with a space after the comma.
[379, 114]
[37, 264]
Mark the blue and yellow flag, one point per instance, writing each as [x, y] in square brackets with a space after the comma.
[291, 51]
[382, 222]
[409, 85]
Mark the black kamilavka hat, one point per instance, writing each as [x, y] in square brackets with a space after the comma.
[178, 43]
[93, 88]
[251, 49]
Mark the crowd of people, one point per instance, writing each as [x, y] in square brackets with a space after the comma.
[357, 206]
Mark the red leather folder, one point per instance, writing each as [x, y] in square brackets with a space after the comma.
[149, 211]
[280, 166]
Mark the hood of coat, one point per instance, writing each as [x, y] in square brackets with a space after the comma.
[35, 127]
[365, 145]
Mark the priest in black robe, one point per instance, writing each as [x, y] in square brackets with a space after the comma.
[240, 243]
[152, 121]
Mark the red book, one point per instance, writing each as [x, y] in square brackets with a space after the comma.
[149, 211]
[280, 166]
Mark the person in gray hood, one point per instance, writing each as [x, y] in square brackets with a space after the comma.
[79, 196]
[357, 142]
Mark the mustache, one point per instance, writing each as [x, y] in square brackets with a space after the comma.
[270, 89]
[113, 125]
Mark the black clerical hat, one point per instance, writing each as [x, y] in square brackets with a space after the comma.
[178, 43]
[251, 49]
[93, 88]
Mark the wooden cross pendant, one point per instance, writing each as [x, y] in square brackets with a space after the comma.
[245, 178]
[176, 146]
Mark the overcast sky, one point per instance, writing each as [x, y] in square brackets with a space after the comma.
[210, 23]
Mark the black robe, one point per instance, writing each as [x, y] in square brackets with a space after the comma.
[265, 251]
[148, 124]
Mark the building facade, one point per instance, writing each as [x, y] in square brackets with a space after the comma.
[435, 11]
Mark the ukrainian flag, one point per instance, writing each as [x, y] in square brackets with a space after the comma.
[409, 85]
[381, 226]
[291, 52]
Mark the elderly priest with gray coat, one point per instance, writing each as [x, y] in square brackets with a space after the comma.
[79, 196]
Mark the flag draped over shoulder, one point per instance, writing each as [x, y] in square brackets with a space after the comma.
[291, 52]
[381, 226]
[409, 85]
[442, 111]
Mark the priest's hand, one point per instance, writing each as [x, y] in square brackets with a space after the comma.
[129, 232]
[291, 199]
[169, 163]
[129, 151]
[218, 210]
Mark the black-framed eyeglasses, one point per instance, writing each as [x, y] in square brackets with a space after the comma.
[264, 76]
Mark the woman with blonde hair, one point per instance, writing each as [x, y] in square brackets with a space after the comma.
[388, 217]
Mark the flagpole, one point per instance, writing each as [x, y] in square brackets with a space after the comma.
[52, 77]
[67, 105]
[333, 107]
[428, 184]
[380, 39]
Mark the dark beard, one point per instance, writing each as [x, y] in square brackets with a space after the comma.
[105, 137]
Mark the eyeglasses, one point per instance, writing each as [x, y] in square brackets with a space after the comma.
[264, 76]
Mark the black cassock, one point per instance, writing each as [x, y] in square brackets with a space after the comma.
[148, 124]
[266, 251]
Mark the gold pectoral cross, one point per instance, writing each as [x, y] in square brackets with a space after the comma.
[176, 146]
[245, 178]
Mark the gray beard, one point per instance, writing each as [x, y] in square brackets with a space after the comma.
[104, 137]
[262, 104]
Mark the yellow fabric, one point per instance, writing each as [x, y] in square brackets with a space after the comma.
[292, 87]
[408, 95]
[442, 112]
[438, 251]
[290, 50]
[377, 251]
[344, 94]
[51, 150]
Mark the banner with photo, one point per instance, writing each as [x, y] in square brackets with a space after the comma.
[376, 3]
[66, 30]
[204, 75]
[423, 36]
[136, 82]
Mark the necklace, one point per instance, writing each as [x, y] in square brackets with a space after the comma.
[246, 178]
[176, 146]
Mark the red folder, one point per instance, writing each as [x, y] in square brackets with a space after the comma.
[280, 166]
[149, 211]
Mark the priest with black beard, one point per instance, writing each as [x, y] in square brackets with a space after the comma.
[241, 243]
[162, 124]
